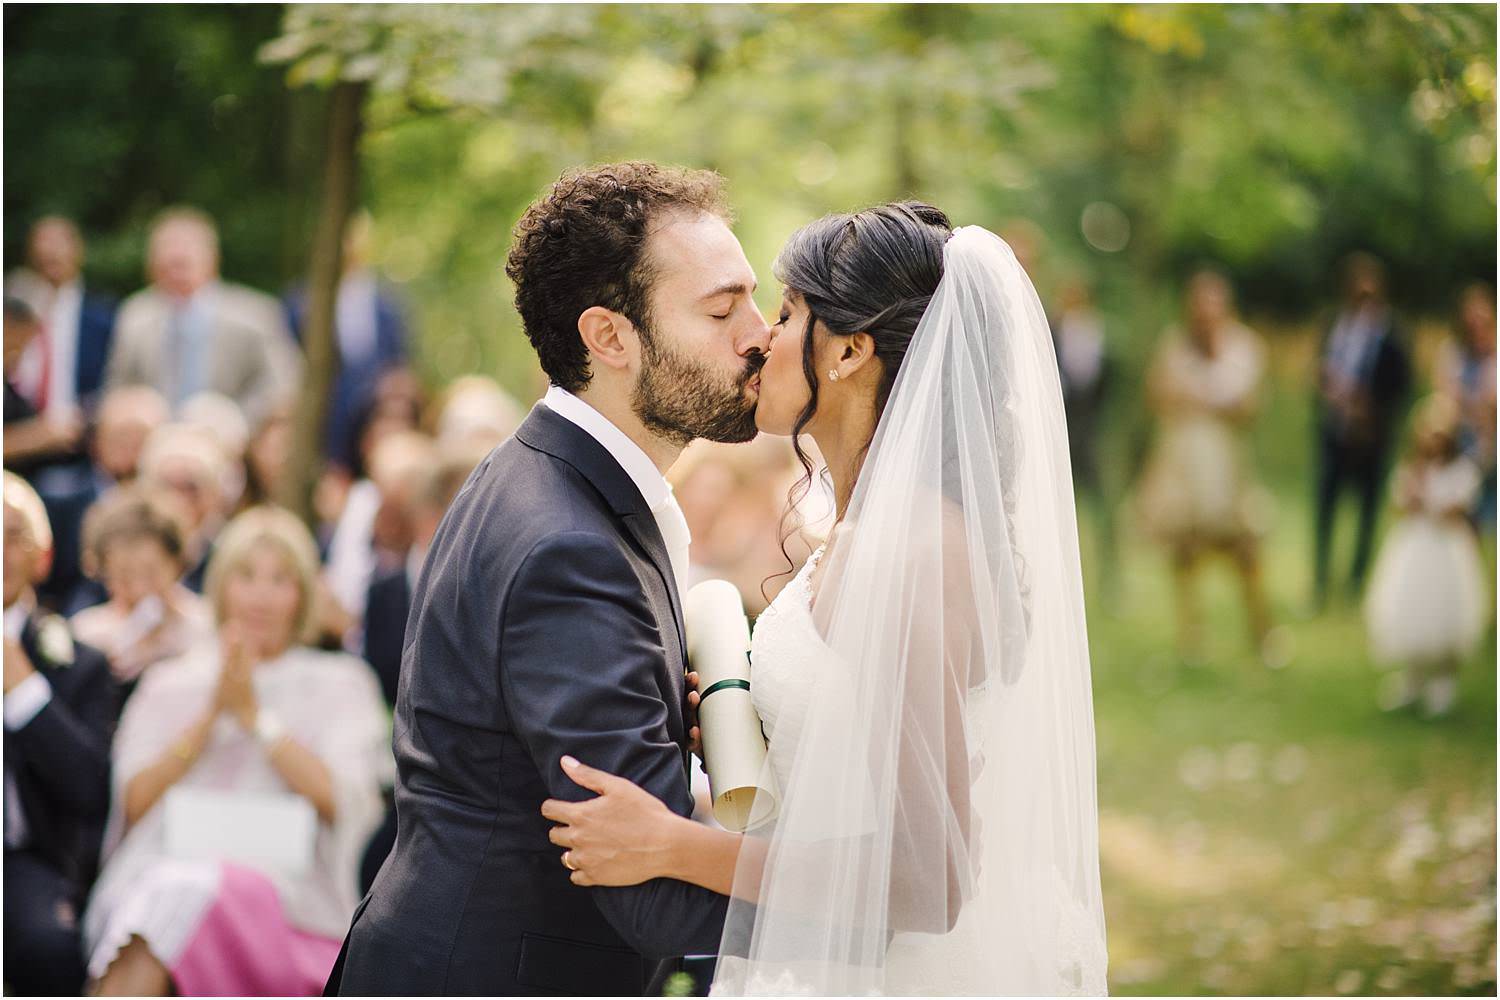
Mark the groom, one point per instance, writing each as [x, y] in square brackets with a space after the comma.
[547, 618]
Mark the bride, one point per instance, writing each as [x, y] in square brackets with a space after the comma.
[924, 679]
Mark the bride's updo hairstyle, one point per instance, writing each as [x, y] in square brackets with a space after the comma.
[870, 272]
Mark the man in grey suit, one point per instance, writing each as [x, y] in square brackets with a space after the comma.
[547, 620]
[188, 331]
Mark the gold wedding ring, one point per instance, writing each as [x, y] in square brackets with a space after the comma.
[568, 864]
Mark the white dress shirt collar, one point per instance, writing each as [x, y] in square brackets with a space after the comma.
[16, 615]
[632, 458]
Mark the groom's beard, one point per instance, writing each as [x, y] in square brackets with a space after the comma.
[683, 399]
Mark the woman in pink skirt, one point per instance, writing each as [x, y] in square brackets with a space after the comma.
[246, 780]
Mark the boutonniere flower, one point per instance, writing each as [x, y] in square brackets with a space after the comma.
[55, 642]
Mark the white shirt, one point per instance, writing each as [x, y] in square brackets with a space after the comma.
[356, 317]
[652, 485]
[62, 341]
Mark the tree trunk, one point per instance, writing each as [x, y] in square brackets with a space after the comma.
[340, 174]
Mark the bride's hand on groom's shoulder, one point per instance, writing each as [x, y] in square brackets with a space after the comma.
[620, 837]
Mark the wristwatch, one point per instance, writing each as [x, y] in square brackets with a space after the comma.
[268, 730]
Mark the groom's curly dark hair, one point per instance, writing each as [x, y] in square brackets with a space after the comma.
[583, 243]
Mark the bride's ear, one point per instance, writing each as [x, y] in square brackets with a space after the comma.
[856, 351]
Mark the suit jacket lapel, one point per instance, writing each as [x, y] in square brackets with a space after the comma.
[644, 529]
[562, 439]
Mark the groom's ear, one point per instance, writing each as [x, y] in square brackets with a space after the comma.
[609, 337]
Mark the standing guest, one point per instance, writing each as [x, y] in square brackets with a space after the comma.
[369, 335]
[32, 439]
[1428, 603]
[1084, 369]
[264, 716]
[1200, 494]
[1466, 373]
[1363, 379]
[133, 544]
[189, 330]
[63, 370]
[187, 462]
[59, 710]
[43, 443]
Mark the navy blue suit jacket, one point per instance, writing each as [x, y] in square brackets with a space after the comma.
[545, 622]
[60, 759]
[96, 324]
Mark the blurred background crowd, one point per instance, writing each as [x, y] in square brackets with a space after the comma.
[1269, 266]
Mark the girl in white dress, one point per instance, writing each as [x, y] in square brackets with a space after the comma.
[923, 681]
[1428, 603]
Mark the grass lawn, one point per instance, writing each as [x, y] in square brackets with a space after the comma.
[1273, 831]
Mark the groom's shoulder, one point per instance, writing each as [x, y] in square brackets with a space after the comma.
[524, 491]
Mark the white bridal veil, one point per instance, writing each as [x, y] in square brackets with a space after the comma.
[938, 831]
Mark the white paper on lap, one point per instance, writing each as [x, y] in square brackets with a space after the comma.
[261, 830]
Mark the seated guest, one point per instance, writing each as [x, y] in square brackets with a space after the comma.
[59, 710]
[133, 544]
[290, 731]
[188, 462]
[126, 419]
[266, 456]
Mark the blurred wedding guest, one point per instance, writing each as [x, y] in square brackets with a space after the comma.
[134, 546]
[733, 497]
[1200, 494]
[474, 408]
[187, 462]
[220, 416]
[59, 709]
[45, 445]
[369, 335]
[32, 439]
[395, 406]
[189, 330]
[1363, 378]
[290, 741]
[1466, 373]
[435, 479]
[374, 532]
[266, 456]
[389, 603]
[126, 418]
[63, 369]
[1429, 602]
[1084, 368]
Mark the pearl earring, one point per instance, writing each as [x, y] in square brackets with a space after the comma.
[833, 374]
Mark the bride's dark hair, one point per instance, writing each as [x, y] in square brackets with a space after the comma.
[870, 272]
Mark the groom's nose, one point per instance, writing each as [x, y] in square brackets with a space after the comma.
[755, 338]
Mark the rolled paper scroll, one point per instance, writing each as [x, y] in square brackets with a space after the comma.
[734, 745]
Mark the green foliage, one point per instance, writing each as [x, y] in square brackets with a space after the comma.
[114, 112]
[1268, 140]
